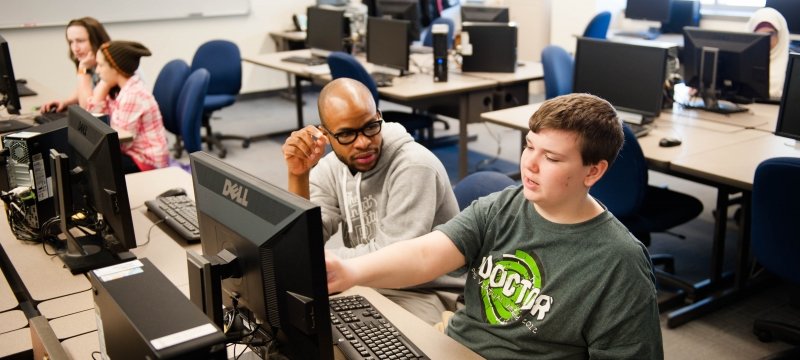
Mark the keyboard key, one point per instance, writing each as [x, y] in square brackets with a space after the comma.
[179, 212]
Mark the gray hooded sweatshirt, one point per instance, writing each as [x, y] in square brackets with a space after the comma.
[404, 196]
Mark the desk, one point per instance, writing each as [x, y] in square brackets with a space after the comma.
[723, 155]
[286, 41]
[8, 300]
[73, 320]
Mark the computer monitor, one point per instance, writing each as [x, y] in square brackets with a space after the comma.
[629, 75]
[401, 10]
[270, 242]
[652, 10]
[327, 30]
[484, 13]
[91, 193]
[790, 9]
[725, 65]
[789, 113]
[388, 43]
[9, 97]
[494, 47]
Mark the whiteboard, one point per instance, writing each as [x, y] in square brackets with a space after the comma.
[35, 13]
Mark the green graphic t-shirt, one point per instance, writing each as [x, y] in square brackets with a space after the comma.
[537, 289]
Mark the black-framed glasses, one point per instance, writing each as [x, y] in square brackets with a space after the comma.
[348, 136]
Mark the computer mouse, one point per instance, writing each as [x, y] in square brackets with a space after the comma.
[173, 192]
[669, 142]
[22, 81]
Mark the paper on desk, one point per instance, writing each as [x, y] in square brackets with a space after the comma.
[318, 69]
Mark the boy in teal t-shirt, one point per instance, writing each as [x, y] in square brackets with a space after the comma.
[551, 273]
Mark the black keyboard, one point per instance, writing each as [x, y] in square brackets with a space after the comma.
[179, 213]
[310, 61]
[361, 332]
[49, 117]
[24, 90]
[639, 130]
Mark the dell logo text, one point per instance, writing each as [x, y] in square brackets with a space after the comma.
[236, 192]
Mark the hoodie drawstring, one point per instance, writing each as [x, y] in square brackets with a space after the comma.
[348, 215]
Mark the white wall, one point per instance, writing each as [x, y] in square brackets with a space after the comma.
[41, 53]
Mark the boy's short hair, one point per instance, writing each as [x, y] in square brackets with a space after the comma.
[595, 121]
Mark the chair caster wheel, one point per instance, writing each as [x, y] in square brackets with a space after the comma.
[246, 144]
[222, 154]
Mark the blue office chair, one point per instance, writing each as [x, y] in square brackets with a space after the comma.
[190, 109]
[480, 184]
[223, 61]
[774, 234]
[345, 65]
[166, 90]
[559, 68]
[427, 38]
[598, 26]
[645, 209]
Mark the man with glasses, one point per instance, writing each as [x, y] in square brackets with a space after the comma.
[377, 186]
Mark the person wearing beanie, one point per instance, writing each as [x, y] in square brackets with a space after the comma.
[84, 37]
[133, 108]
[770, 21]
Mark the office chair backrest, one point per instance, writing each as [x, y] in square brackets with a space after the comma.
[480, 184]
[345, 65]
[190, 109]
[775, 212]
[223, 61]
[427, 39]
[598, 26]
[166, 90]
[559, 70]
[622, 189]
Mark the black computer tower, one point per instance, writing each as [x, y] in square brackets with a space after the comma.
[440, 55]
[142, 315]
[494, 47]
[27, 164]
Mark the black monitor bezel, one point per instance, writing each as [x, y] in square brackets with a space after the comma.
[398, 39]
[499, 14]
[694, 39]
[650, 10]
[257, 222]
[791, 97]
[409, 10]
[591, 64]
[327, 20]
[8, 83]
[790, 9]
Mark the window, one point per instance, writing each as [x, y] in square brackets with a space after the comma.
[733, 3]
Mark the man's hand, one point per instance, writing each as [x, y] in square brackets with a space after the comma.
[53, 106]
[303, 149]
[340, 276]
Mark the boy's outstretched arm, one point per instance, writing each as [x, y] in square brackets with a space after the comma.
[400, 265]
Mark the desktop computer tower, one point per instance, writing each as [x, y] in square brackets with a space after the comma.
[27, 165]
[142, 315]
[440, 34]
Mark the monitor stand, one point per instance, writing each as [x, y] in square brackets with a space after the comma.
[709, 99]
[712, 104]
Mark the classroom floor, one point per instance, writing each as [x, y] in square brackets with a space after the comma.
[724, 334]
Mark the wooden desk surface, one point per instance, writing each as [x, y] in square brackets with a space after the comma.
[12, 320]
[15, 342]
[735, 164]
[66, 305]
[82, 346]
[528, 71]
[274, 61]
[8, 300]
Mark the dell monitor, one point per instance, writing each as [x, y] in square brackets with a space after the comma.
[629, 75]
[388, 43]
[724, 65]
[483, 13]
[9, 97]
[789, 113]
[408, 10]
[269, 243]
[327, 30]
[656, 11]
[91, 195]
[790, 9]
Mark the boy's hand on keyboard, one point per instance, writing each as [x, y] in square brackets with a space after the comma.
[303, 149]
[340, 276]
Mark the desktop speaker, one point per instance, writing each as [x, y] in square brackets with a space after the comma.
[440, 34]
